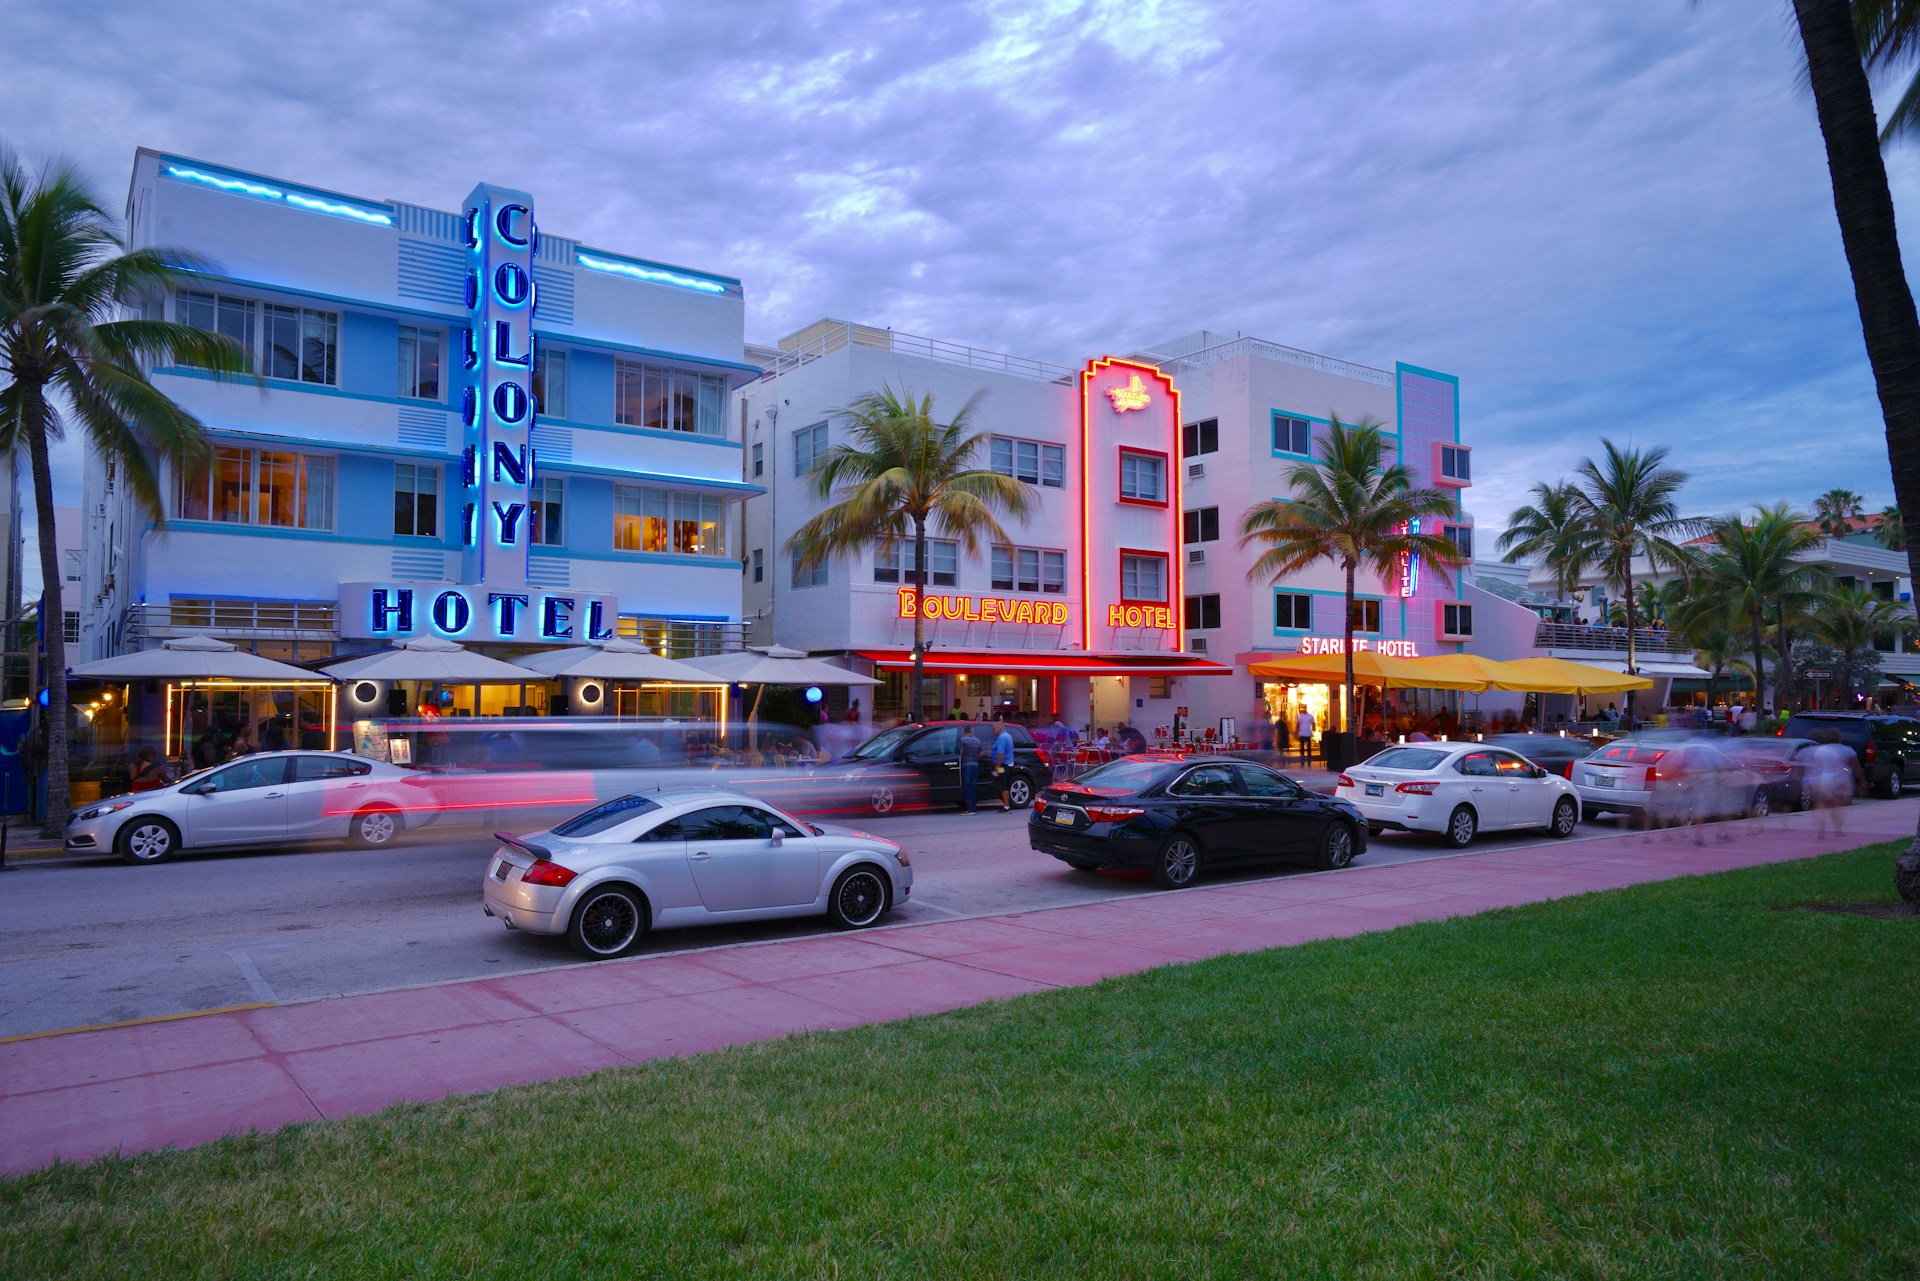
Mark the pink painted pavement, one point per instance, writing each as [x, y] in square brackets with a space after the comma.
[82, 1095]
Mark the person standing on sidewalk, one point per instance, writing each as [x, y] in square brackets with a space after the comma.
[970, 749]
[1003, 764]
[1303, 734]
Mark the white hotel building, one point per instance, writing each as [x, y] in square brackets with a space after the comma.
[1124, 597]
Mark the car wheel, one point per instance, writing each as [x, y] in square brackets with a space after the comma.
[1566, 817]
[1178, 863]
[859, 898]
[1336, 847]
[1019, 791]
[610, 921]
[1762, 805]
[147, 840]
[1894, 785]
[1804, 801]
[1461, 826]
[373, 828]
[881, 800]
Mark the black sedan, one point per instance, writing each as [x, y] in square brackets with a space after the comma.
[1781, 764]
[1554, 753]
[1174, 816]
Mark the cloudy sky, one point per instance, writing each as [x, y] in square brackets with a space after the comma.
[1607, 219]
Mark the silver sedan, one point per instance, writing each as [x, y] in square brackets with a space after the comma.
[695, 856]
[268, 799]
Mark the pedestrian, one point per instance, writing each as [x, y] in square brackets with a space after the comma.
[954, 715]
[970, 749]
[148, 771]
[206, 749]
[1003, 765]
[1303, 733]
[239, 744]
[1834, 778]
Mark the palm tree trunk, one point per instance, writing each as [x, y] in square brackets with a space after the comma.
[53, 821]
[919, 615]
[1346, 705]
[1844, 102]
[1783, 674]
[1759, 659]
[1626, 577]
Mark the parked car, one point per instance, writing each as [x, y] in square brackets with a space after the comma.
[696, 856]
[1887, 745]
[1458, 790]
[1669, 782]
[926, 759]
[1780, 763]
[265, 799]
[1552, 752]
[1176, 816]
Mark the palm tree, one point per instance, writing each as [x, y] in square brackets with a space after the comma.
[1890, 531]
[1852, 618]
[900, 475]
[1626, 505]
[1547, 530]
[1752, 567]
[1351, 507]
[65, 275]
[1835, 510]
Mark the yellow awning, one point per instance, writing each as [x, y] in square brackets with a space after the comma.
[1559, 676]
[1369, 668]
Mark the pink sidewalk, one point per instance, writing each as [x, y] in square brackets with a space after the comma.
[193, 1080]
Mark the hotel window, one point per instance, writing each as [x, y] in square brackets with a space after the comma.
[1159, 687]
[1292, 435]
[550, 382]
[266, 487]
[1029, 569]
[546, 509]
[813, 576]
[1292, 612]
[70, 626]
[76, 564]
[660, 520]
[419, 363]
[1365, 615]
[1033, 461]
[1203, 612]
[416, 500]
[1456, 620]
[1456, 464]
[759, 459]
[1200, 438]
[1461, 536]
[759, 565]
[1143, 578]
[219, 314]
[1143, 477]
[669, 399]
[1203, 526]
[299, 344]
[891, 562]
[809, 448]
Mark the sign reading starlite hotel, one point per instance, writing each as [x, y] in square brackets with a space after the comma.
[495, 353]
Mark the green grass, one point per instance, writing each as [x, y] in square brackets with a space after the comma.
[1669, 1081]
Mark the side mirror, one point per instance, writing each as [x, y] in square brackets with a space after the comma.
[778, 837]
[200, 789]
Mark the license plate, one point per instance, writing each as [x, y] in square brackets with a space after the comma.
[501, 869]
[1600, 780]
[1376, 789]
[1063, 817]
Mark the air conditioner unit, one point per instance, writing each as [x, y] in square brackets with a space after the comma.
[1196, 555]
[1196, 470]
[1198, 644]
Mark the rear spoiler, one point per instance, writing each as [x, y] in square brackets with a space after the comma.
[538, 851]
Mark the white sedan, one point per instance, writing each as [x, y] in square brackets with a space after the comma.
[1457, 790]
[694, 856]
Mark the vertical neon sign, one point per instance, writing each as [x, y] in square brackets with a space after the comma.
[1409, 562]
[497, 406]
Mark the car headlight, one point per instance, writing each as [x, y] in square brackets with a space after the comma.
[101, 811]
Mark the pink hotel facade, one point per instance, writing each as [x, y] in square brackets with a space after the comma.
[1124, 596]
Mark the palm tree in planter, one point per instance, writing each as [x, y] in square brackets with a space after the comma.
[1752, 566]
[1850, 620]
[1548, 530]
[1354, 508]
[71, 356]
[899, 477]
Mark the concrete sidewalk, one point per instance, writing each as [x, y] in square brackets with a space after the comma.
[178, 1083]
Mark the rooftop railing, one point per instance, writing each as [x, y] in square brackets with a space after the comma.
[1237, 347]
[1646, 640]
[843, 335]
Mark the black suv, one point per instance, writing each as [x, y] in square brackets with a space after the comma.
[1888, 746]
[926, 760]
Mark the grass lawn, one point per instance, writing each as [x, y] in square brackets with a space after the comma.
[1669, 1081]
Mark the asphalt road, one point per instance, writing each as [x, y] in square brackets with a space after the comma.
[88, 940]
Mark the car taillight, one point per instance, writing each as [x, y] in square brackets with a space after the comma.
[1343, 781]
[1871, 754]
[1568, 771]
[1114, 813]
[1416, 789]
[544, 873]
[1039, 804]
[1653, 775]
[1041, 754]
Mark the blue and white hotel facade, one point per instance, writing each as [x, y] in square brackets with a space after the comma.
[470, 428]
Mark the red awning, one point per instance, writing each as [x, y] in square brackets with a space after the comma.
[1052, 663]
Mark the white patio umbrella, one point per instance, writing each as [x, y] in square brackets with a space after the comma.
[428, 658]
[775, 665]
[188, 658]
[615, 660]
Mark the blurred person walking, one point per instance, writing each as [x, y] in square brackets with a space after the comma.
[1834, 778]
[970, 749]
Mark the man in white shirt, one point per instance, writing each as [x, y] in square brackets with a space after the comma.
[1303, 734]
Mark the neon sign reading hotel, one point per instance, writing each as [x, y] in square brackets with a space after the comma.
[1335, 645]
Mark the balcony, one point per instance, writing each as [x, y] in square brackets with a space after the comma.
[292, 620]
[1607, 640]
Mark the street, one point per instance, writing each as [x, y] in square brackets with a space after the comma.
[90, 940]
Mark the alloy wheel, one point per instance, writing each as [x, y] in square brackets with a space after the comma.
[608, 923]
[860, 898]
[882, 799]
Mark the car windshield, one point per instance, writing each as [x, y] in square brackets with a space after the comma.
[1411, 759]
[881, 745]
[1121, 778]
[601, 817]
[1627, 752]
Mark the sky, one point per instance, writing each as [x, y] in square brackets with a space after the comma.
[1608, 220]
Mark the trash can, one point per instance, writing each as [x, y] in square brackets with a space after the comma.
[1338, 747]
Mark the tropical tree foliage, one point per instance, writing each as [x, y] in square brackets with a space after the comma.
[1852, 620]
[1354, 508]
[900, 476]
[70, 358]
[1836, 510]
[1753, 571]
[1548, 530]
[1890, 531]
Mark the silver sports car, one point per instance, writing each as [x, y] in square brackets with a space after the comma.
[694, 856]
